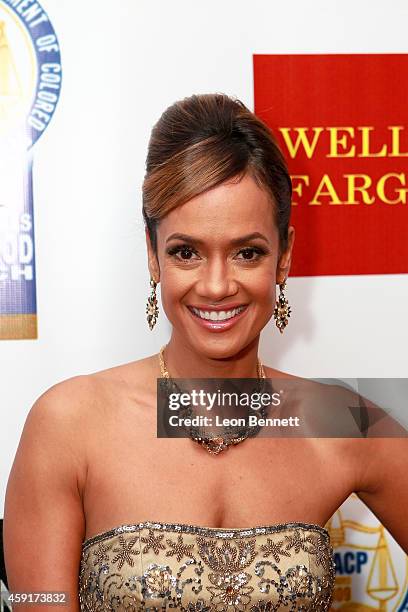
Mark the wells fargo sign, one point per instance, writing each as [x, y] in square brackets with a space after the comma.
[341, 121]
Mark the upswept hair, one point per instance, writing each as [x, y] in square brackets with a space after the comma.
[200, 142]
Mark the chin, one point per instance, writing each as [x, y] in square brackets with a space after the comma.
[217, 347]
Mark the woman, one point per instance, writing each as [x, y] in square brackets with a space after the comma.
[152, 523]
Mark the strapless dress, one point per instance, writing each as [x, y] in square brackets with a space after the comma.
[160, 566]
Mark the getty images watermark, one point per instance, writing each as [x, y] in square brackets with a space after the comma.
[281, 407]
[212, 401]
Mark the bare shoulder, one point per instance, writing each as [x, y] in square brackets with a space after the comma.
[330, 399]
[67, 407]
[66, 403]
[56, 425]
[135, 376]
[62, 402]
[70, 406]
[329, 412]
[361, 436]
[274, 373]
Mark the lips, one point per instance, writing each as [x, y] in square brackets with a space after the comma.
[211, 324]
[216, 315]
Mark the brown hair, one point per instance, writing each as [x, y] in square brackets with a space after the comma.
[200, 142]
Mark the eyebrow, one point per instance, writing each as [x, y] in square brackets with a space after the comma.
[235, 241]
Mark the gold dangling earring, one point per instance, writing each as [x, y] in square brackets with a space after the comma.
[152, 309]
[282, 309]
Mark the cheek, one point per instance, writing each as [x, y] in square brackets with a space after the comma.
[262, 287]
[174, 287]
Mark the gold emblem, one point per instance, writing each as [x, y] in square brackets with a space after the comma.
[17, 72]
[371, 569]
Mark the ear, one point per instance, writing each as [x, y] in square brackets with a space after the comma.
[285, 259]
[153, 263]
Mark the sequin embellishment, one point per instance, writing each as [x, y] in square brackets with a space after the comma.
[160, 566]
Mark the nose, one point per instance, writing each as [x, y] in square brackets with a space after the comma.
[216, 280]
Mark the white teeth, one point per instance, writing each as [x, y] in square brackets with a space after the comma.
[217, 315]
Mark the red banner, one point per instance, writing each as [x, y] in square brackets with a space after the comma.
[341, 121]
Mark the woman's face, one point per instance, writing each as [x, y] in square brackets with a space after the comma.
[220, 249]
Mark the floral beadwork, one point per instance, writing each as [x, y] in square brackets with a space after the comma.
[154, 566]
[125, 551]
[179, 548]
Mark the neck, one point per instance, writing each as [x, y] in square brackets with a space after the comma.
[184, 361]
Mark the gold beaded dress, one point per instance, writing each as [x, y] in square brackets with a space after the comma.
[161, 566]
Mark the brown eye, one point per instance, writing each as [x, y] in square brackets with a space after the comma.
[182, 252]
[186, 253]
[250, 251]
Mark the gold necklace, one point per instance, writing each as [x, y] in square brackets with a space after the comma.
[215, 444]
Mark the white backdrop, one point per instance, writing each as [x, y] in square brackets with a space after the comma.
[123, 63]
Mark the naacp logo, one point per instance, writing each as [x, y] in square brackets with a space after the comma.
[371, 569]
[30, 71]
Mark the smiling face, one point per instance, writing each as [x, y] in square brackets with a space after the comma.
[217, 253]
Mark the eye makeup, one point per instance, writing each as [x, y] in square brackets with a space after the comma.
[186, 248]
